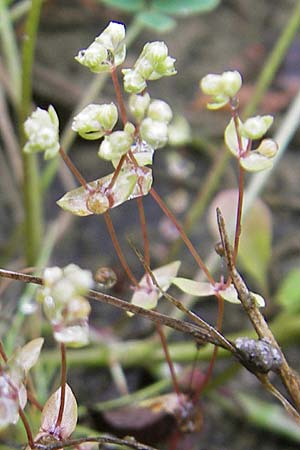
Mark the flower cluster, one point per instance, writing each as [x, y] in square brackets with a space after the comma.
[62, 296]
[13, 394]
[107, 51]
[238, 135]
[41, 129]
[131, 148]
[152, 64]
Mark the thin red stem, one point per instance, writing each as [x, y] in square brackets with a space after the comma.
[119, 95]
[215, 351]
[73, 169]
[27, 428]
[34, 401]
[144, 230]
[2, 353]
[168, 358]
[63, 381]
[238, 224]
[116, 173]
[118, 249]
[183, 235]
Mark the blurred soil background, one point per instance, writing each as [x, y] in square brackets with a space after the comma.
[238, 35]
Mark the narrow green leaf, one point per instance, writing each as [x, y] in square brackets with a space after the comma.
[156, 21]
[288, 294]
[126, 5]
[269, 417]
[184, 7]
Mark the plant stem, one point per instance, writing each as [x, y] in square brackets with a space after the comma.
[119, 95]
[183, 235]
[168, 358]
[73, 168]
[238, 224]
[63, 381]
[118, 249]
[27, 428]
[31, 187]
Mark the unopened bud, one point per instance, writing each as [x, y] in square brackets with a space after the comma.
[41, 129]
[134, 83]
[160, 111]
[138, 105]
[232, 82]
[95, 57]
[256, 127]
[268, 148]
[95, 120]
[154, 133]
[115, 145]
[211, 84]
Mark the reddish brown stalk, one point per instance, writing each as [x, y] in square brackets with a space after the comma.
[2, 353]
[118, 249]
[213, 358]
[238, 224]
[73, 169]
[116, 173]
[119, 95]
[63, 380]
[168, 358]
[144, 230]
[34, 401]
[27, 428]
[183, 235]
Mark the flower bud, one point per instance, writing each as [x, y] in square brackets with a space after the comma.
[211, 84]
[232, 82]
[138, 105]
[160, 111]
[154, 133]
[106, 51]
[95, 120]
[112, 36]
[115, 145]
[41, 129]
[95, 57]
[154, 62]
[134, 83]
[256, 127]
[268, 148]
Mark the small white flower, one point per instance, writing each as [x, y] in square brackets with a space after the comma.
[155, 133]
[95, 120]
[160, 111]
[41, 129]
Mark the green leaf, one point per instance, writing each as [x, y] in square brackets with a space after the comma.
[156, 21]
[255, 162]
[126, 5]
[288, 294]
[192, 287]
[269, 417]
[184, 7]
[231, 139]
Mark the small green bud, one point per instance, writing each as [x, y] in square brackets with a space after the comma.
[222, 87]
[155, 133]
[211, 84]
[256, 127]
[134, 83]
[95, 57]
[138, 105]
[115, 145]
[95, 120]
[268, 148]
[179, 131]
[107, 50]
[232, 82]
[160, 111]
[129, 128]
[41, 129]
[154, 62]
